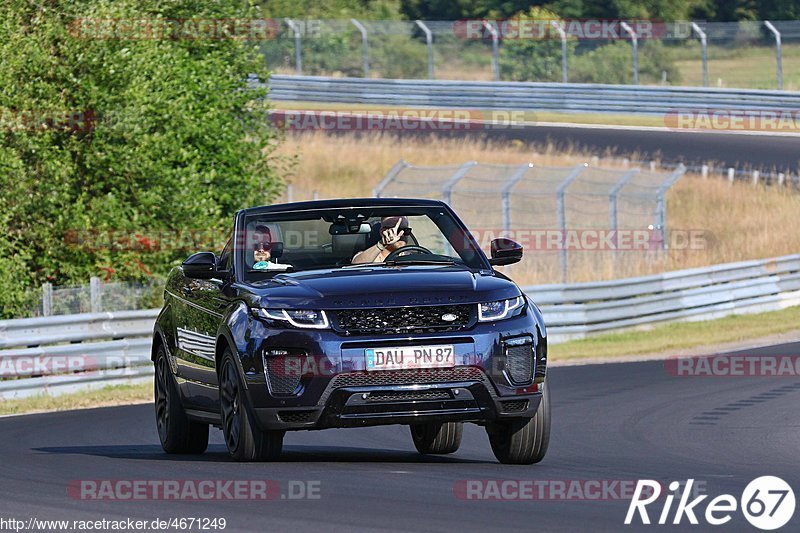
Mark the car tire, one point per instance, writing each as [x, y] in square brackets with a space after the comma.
[246, 442]
[522, 441]
[177, 433]
[437, 439]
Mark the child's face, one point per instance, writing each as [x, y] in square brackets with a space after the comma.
[261, 255]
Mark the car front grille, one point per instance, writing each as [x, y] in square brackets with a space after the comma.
[519, 363]
[408, 377]
[421, 319]
[409, 396]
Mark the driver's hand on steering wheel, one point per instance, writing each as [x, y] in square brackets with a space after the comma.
[391, 235]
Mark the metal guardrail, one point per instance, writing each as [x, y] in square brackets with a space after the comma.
[564, 97]
[118, 347]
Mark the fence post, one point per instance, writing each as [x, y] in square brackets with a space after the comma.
[661, 208]
[560, 29]
[703, 50]
[429, 42]
[635, 43]
[756, 175]
[517, 175]
[781, 178]
[290, 193]
[613, 195]
[778, 53]
[393, 172]
[298, 50]
[562, 215]
[447, 190]
[95, 304]
[731, 175]
[364, 45]
[47, 299]
[495, 53]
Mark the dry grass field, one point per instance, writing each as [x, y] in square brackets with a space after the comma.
[737, 222]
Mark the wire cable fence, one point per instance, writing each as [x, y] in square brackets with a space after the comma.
[558, 213]
[745, 54]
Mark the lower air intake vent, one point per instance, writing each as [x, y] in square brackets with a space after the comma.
[283, 372]
[515, 406]
[519, 363]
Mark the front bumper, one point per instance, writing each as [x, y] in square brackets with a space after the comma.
[337, 391]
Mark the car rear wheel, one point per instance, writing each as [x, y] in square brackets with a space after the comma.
[245, 441]
[439, 439]
[522, 441]
[177, 433]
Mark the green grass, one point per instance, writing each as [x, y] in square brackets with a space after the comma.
[752, 67]
[108, 396]
[680, 336]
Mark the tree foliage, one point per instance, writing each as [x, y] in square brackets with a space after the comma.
[165, 136]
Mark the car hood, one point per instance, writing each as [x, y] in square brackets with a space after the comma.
[381, 286]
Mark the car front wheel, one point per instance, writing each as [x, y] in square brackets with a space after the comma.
[177, 433]
[439, 439]
[522, 441]
[245, 441]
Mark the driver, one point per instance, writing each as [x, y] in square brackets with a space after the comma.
[393, 231]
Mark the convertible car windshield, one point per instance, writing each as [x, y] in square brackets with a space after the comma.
[351, 238]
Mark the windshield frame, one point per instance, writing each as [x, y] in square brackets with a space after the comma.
[283, 211]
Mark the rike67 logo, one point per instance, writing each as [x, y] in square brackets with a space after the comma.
[767, 503]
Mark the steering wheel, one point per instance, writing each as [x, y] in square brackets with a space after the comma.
[408, 248]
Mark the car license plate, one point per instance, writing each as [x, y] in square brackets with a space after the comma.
[411, 357]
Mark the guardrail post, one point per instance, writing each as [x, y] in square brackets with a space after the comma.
[778, 53]
[703, 50]
[495, 52]
[447, 190]
[661, 208]
[290, 193]
[47, 299]
[393, 172]
[364, 45]
[560, 29]
[505, 197]
[562, 214]
[94, 295]
[429, 42]
[298, 47]
[635, 43]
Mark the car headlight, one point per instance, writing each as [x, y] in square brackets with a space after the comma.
[500, 309]
[299, 318]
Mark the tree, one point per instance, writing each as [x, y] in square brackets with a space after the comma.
[133, 136]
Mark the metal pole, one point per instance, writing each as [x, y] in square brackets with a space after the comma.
[495, 53]
[560, 29]
[562, 215]
[364, 45]
[635, 43]
[47, 299]
[778, 54]
[429, 41]
[517, 175]
[298, 47]
[613, 195]
[393, 172]
[704, 50]
[661, 209]
[447, 190]
[94, 294]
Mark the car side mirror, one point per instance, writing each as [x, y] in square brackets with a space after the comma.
[202, 265]
[505, 252]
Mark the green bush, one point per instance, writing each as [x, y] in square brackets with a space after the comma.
[168, 137]
[533, 59]
[613, 63]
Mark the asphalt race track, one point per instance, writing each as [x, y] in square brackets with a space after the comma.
[611, 422]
